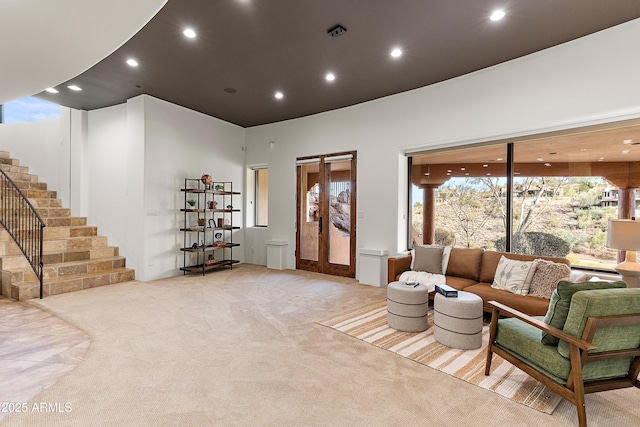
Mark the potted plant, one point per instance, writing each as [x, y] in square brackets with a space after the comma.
[191, 202]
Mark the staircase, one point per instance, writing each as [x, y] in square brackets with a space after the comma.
[75, 257]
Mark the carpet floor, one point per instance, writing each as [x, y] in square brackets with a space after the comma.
[369, 324]
[241, 348]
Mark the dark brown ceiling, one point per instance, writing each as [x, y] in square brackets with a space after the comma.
[260, 46]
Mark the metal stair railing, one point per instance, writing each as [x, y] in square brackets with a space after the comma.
[22, 222]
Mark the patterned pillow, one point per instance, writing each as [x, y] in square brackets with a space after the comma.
[546, 278]
[513, 275]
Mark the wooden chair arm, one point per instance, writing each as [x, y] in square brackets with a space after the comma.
[558, 333]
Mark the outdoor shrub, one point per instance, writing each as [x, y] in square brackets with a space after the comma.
[536, 243]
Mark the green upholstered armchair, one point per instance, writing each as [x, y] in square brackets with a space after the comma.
[598, 349]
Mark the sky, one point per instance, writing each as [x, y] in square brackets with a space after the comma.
[30, 109]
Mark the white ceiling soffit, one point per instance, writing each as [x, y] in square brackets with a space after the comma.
[44, 43]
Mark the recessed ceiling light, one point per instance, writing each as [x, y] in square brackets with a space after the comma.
[396, 52]
[426, 174]
[74, 87]
[449, 170]
[488, 174]
[583, 149]
[188, 32]
[485, 166]
[625, 151]
[132, 62]
[463, 169]
[330, 77]
[466, 174]
[497, 15]
[52, 90]
[627, 141]
[540, 159]
[279, 95]
[547, 164]
[601, 159]
[499, 159]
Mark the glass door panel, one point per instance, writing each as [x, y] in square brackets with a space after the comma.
[309, 214]
[339, 223]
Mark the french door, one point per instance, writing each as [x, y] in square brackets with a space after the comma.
[326, 209]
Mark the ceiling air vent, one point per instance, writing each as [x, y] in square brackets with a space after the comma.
[336, 31]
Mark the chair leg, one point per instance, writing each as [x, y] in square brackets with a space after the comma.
[578, 384]
[492, 336]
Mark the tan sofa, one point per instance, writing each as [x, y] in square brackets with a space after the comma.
[472, 270]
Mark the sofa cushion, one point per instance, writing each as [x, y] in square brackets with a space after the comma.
[561, 300]
[490, 261]
[533, 306]
[546, 278]
[446, 252]
[459, 283]
[465, 263]
[521, 340]
[428, 259]
[514, 276]
[604, 302]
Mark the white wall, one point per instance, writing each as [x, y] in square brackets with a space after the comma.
[140, 153]
[44, 148]
[590, 80]
[179, 144]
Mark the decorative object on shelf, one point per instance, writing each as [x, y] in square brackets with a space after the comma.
[191, 202]
[202, 222]
[219, 187]
[194, 246]
[213, 204]
[220, 222]
[624, 235]
[229, 206]
[206, 180]
[210, 224]
[217, 237]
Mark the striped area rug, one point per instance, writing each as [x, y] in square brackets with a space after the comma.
[369, 324]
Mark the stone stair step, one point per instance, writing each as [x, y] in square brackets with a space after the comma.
[53, 212]
[70, 221]
[58, 257]
[75, 243]
[102, 265]
[46, 203]
[10, 168]
[22, 176]
[29, 289]
[51, 233]
[39, 194]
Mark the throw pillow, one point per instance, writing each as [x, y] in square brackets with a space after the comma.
[546, 278]
[561, 300]
[446, 253]
[513, 275]
[428, 259]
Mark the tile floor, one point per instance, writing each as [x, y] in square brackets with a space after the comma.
[37, 349]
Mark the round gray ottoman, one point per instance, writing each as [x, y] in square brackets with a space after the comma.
[457, 322]
[407, 307]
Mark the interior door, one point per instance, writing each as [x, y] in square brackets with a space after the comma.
[326, 206]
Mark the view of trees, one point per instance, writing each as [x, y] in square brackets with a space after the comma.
[563, 215]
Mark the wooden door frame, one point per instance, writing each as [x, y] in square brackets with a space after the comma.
[323, 265]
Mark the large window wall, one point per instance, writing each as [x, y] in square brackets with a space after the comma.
[555, 193]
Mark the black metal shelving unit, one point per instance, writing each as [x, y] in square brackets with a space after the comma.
[208, 226]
